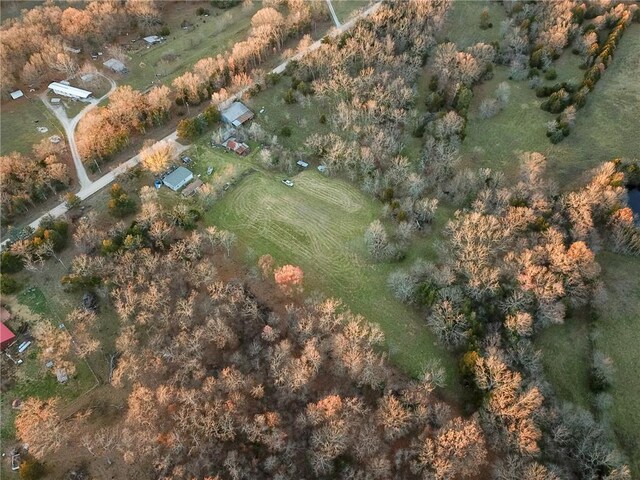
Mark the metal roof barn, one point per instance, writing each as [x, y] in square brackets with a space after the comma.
[69, 91]
[236, 114]
[115, 65]
[178, 178]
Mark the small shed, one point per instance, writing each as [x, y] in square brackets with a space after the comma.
[115, 66]
[236, 114]
[240, 148]
[17, 94]
[192, 188]
[6, 336]
[178, 178]
[61, 375]
[152, 39]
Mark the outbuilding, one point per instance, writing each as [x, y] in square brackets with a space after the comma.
[152, 39]
[178, 178]
[69, 91]
[17, 94]
[192, 188]
[236, 114]
[115, 66]
[6, 336]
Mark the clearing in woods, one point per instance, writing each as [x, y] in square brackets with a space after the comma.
[319, 224]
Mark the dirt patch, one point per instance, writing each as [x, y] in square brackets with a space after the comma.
[169, 57]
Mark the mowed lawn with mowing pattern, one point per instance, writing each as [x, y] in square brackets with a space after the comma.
[319, 225]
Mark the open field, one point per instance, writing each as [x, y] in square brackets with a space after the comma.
[566, 360]
[463, 22]
[208, 37]
[319, 225]
[605, 128]
[618, 328]
[20, 119]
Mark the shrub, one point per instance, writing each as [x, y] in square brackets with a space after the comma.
[488, 108]
[10, 263]
[8, 285]
[602, 371]
[273, 78]
[484, 20]
[289, 96]
[211, 115]
[120, 204]
[551, 74]
[188, 129]
[323, 119]
[285, 131]
[71, 201]
[433, 84]
[165, 31]
[202, 11]
[434, 102]
[31, 469]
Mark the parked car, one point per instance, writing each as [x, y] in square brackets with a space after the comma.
[209, 170]
[302, 163]
[186, 159]
[287, 182]
[322, 168]
[94, 55]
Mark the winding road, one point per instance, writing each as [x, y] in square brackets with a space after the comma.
[87, 187]
[69, 125]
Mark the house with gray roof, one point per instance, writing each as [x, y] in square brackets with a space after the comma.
[178, 178]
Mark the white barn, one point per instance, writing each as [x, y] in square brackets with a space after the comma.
[69, 91]
[178, 178]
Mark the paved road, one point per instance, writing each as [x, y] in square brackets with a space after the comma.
[91, 188]
[69, 125]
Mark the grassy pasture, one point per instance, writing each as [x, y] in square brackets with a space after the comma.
[302, 118]
[20, 119]
[345, 8]
[463, 23]
[618, 335]
[605, 128]
[208, 37]
[319, 225]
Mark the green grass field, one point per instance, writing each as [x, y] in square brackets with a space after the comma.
[619, 336]
[20, 119]
[605, 128]
[210, 36]
[319, 225]
[302, 118]
[345, 8]
[463, 23]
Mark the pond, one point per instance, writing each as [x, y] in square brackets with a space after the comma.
[634, 200]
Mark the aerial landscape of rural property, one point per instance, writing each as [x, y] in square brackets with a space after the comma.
[320, 239]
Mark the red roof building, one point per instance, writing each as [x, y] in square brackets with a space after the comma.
[6, 336]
